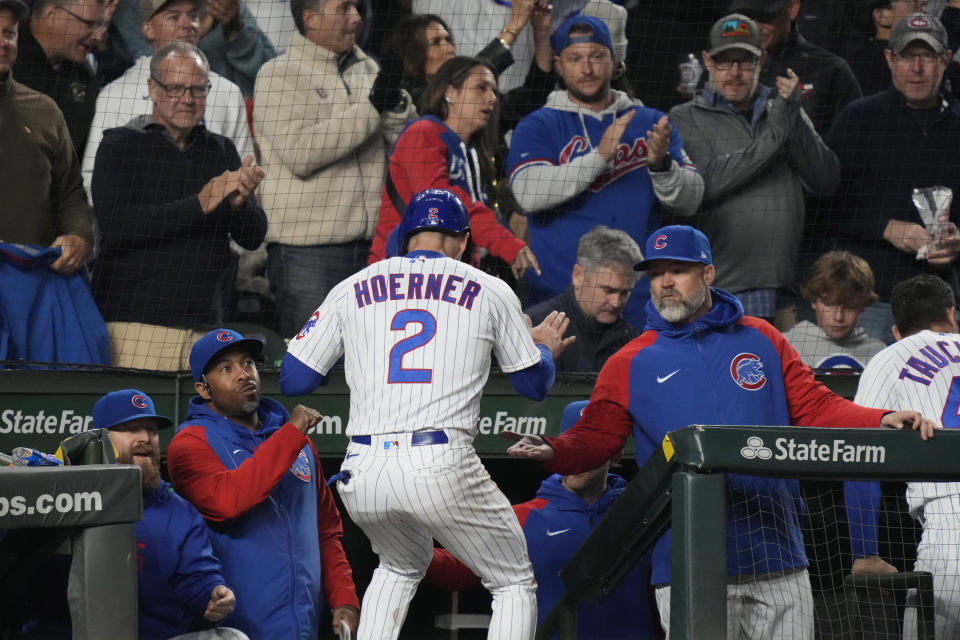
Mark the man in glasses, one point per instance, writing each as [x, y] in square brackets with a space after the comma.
[166, 21]
[759, 154]
[168, 195]
[53, 58]
[889, 144]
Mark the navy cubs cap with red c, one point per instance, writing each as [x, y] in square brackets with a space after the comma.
[676, 242]
[206, 348]
[124, 405]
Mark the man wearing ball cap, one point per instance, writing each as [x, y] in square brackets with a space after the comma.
[180, 586]
[698, 344]
[248, 466]
[889, 144]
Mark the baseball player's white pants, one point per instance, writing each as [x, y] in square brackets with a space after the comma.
[403, 497]
[939, 553]
[776, 608]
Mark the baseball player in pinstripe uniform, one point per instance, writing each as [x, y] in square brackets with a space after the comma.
[921, 371]
[417, 333]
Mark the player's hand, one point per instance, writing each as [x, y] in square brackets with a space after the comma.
[611, 137]
[74, 252]
[348, 614]
[912, 420]
[906, 236]
[304, 418]
[786, 86]
[550, 332]
[872, 564]
[658, 141]
[531, 447]
[524, 260]
[220, 605]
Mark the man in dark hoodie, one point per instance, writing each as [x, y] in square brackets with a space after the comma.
[169, 195]
[556, 523]
[249, 468]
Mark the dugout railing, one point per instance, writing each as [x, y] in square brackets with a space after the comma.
[683, 486]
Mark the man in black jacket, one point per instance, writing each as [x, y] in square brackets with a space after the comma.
[601, 282]
[827, 81]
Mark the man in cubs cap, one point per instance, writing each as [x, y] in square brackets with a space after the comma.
[676, 242]
[181, 578]
[123, 406]
[209, 346]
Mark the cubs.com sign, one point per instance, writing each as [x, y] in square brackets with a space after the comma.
[813, 451]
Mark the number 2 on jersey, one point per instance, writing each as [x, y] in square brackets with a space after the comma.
[428, 328]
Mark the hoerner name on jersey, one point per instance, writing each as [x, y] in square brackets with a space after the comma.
[417, 286]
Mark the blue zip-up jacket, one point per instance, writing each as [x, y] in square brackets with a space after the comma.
[554, 533]
[176, 566]
[555, 524]
[741, 371]
[272, 520]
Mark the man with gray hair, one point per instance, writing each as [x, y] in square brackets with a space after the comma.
[601, 283]
[169, 195]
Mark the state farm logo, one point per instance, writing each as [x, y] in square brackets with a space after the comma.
[813, 451]
[755, 449]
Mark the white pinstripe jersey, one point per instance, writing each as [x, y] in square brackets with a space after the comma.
[417, 336]
[919, 373]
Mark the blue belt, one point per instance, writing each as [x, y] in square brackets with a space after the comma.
[419, 439]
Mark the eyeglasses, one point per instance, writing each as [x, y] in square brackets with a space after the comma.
[925, 57]
[91, 25]
[745, 65]
[178, 90]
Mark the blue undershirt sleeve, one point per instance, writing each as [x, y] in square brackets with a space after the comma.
[535, 381]
[297, 379]
[863, 512]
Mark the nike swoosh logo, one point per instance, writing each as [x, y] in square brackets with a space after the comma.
[236, 451]
[667, 377]
[351, 455]
[556, 533]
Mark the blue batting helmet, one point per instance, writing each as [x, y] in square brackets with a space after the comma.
[433, 210]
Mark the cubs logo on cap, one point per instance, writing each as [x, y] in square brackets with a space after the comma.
[676, 242]
[125, 405]
[207, 347]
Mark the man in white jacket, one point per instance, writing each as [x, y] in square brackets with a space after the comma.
[323, 120]
[594, 156]
[165, 21]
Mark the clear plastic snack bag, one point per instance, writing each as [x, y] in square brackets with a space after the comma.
[933, 204]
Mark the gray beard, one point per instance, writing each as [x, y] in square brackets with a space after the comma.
[679, 311]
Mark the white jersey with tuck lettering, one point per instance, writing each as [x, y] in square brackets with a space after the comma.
[919, 373]
[417, 335]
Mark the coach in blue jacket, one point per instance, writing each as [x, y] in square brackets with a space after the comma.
[701, 361]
